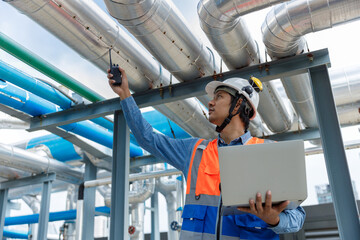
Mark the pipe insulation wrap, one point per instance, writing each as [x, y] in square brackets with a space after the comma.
[87, 29]
[230, 36]
[283, 31]
[33, 163]
[287, 23]
[161, 28]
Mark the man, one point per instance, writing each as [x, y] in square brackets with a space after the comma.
[233, 105]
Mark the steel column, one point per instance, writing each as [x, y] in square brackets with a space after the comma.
[335, 158]
[89, 201]
[44, 210]
[3, 202]
[119, 213]
[155, 233]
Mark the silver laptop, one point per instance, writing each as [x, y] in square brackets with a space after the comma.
[248, 169]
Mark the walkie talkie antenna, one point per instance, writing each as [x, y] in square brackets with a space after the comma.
[110, 57]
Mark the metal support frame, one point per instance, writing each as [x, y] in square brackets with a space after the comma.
[119, 213]
[155, 233]
[314, 62]
[335, 158]
[46, 179]
[3, 202]
[44, 210]
[89, 201]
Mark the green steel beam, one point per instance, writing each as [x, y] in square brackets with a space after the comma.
[33, 60]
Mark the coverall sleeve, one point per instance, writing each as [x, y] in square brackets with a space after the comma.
[176, 152]
[290, 221]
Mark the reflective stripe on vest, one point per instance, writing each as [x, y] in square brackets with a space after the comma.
[202, 200]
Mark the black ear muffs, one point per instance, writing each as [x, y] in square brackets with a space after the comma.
[249, 90]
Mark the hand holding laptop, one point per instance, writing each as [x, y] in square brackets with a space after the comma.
[268, 213]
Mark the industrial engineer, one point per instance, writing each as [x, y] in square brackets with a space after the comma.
[233, 105]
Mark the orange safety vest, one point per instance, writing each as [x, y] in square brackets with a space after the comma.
[202, 199]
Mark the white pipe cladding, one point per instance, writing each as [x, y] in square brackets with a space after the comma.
[231, 38]
[283, 31]
[87, 29]
[163, 31]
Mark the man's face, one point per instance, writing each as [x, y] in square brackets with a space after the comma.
[219, 107]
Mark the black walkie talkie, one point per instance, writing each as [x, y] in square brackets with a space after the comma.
[114, 70]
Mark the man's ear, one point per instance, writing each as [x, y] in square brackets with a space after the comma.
[237, 106]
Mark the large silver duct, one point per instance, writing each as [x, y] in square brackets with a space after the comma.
[167, 188]
[142, 190]
[30, 162]
[136, 230]
[34, 205]
[9, 122]
[283, 31]
[229, 35]
[87, 29]
[161, 28]
[345, 84]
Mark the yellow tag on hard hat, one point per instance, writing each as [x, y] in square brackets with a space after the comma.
[257, 82]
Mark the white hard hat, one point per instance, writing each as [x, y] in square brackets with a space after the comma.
[242, 86]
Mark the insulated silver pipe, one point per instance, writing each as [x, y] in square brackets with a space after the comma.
[318, 150]
[30, 162]
[142, 190]
[230, 36]
[137, 221]
[8, 122]
[133, 177]
[283, 31]
[161, 28]
[287, 23]
[87, 29]
[167, 188]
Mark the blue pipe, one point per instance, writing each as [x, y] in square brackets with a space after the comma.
[162, 124]
[54, 216]
[15, 234]
[41, 89]
[10, 74]
[60, 148]
[33, 105]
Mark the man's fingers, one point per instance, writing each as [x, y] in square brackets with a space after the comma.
[268, 200]
[259, 207]
[108, 70]
[252, 205]
[244, 209]
[283, 205]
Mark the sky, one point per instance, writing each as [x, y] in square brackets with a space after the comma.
[342, 42]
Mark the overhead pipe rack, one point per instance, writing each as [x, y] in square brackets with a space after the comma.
[314, 63]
